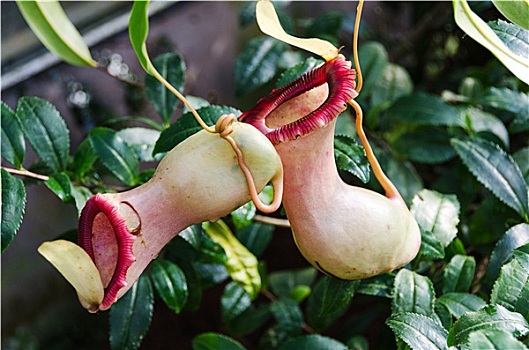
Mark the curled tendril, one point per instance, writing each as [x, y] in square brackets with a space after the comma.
[224, 127]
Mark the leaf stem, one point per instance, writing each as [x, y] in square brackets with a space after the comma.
[26, 173]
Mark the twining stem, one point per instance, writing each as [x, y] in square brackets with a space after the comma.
[360, 80]
[26, 173]
[385, 182]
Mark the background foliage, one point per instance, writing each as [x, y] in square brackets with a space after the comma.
[450, 128]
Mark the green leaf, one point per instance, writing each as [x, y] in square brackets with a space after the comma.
[171, 67]
[297, 71]
[141, 141]
[519, 124]
[207, 251]
[13, 205]
[257, 63]
[241, 264]
[328, 23]
[84, 158]
[351, 157]
[431, 247]
[288, 316]
[514, 238]
[13, 145]
[437, 213]
[250, 320]
[515, 11]
[489, 317]
[234, 301]
[458, 274]
[256, 237]
[283, 282]
[115, 155]
[45, 130]
[423, 109]
[337, 294]
[478, 30]
[378, 286]
[505, 99]
[314, 307]
[418, 331]
[187, 125]
[61, 185]
[425, 145]
[80, 195]
[171, 284]
[138, 32]
[514, 278]
[374, 59]
[215, 341]
[496, 170]
[243, 216]
[459, 304]
[494, 339]
[53, 28]
[312, 342]
[515, 38]
[394, 83]
[521, 157]
[413, 293]
[485, 122]
[131, 316]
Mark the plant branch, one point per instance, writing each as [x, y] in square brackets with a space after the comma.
[26, 173]
[272, 221]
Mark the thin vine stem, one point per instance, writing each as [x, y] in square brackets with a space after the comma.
[26, 173]
[359, 77]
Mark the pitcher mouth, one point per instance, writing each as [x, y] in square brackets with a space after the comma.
[104, 235]
[336, 73]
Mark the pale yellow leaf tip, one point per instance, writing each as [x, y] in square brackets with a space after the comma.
[79, 270]
[269, 24]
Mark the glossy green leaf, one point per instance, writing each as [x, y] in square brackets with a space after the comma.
[519, 124]
[257, 63]
[13, 206]
[480, 121]
[514, 238]
[187, 125]
[459, 304]
[243, 216]
[373, 61]
[458, 274]
[138, 32]
[478, 30]
[298, 70]
[378, 286]
[425, 145]
[283, 282]
[312, 342]
[207, 251]
[413, 293]
[394, 83]
[521, 157]
[418, 331]
[513, 279]
[515, 11]
[329, 23]
[288, 316]
[489, 317]
[241, 263]
[431, 247]
[84, 158]
[131, 316]
[505, 99]
[337, 294]
[171, 67]
[351, 157]
[515, 38]
[250, 320]
[234, 301]
[314, 307]
[423, 109]
[496, 170]
[215, 341]
[61, 185]
[80, 195]
[50, 24]
[13, 145]
[256, 237]
[171, 284]
[437, 213]
[494, 339]
[45, 130]
[141, 141]
[115, 155]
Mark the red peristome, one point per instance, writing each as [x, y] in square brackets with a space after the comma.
[340, 78]
[99, 204]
